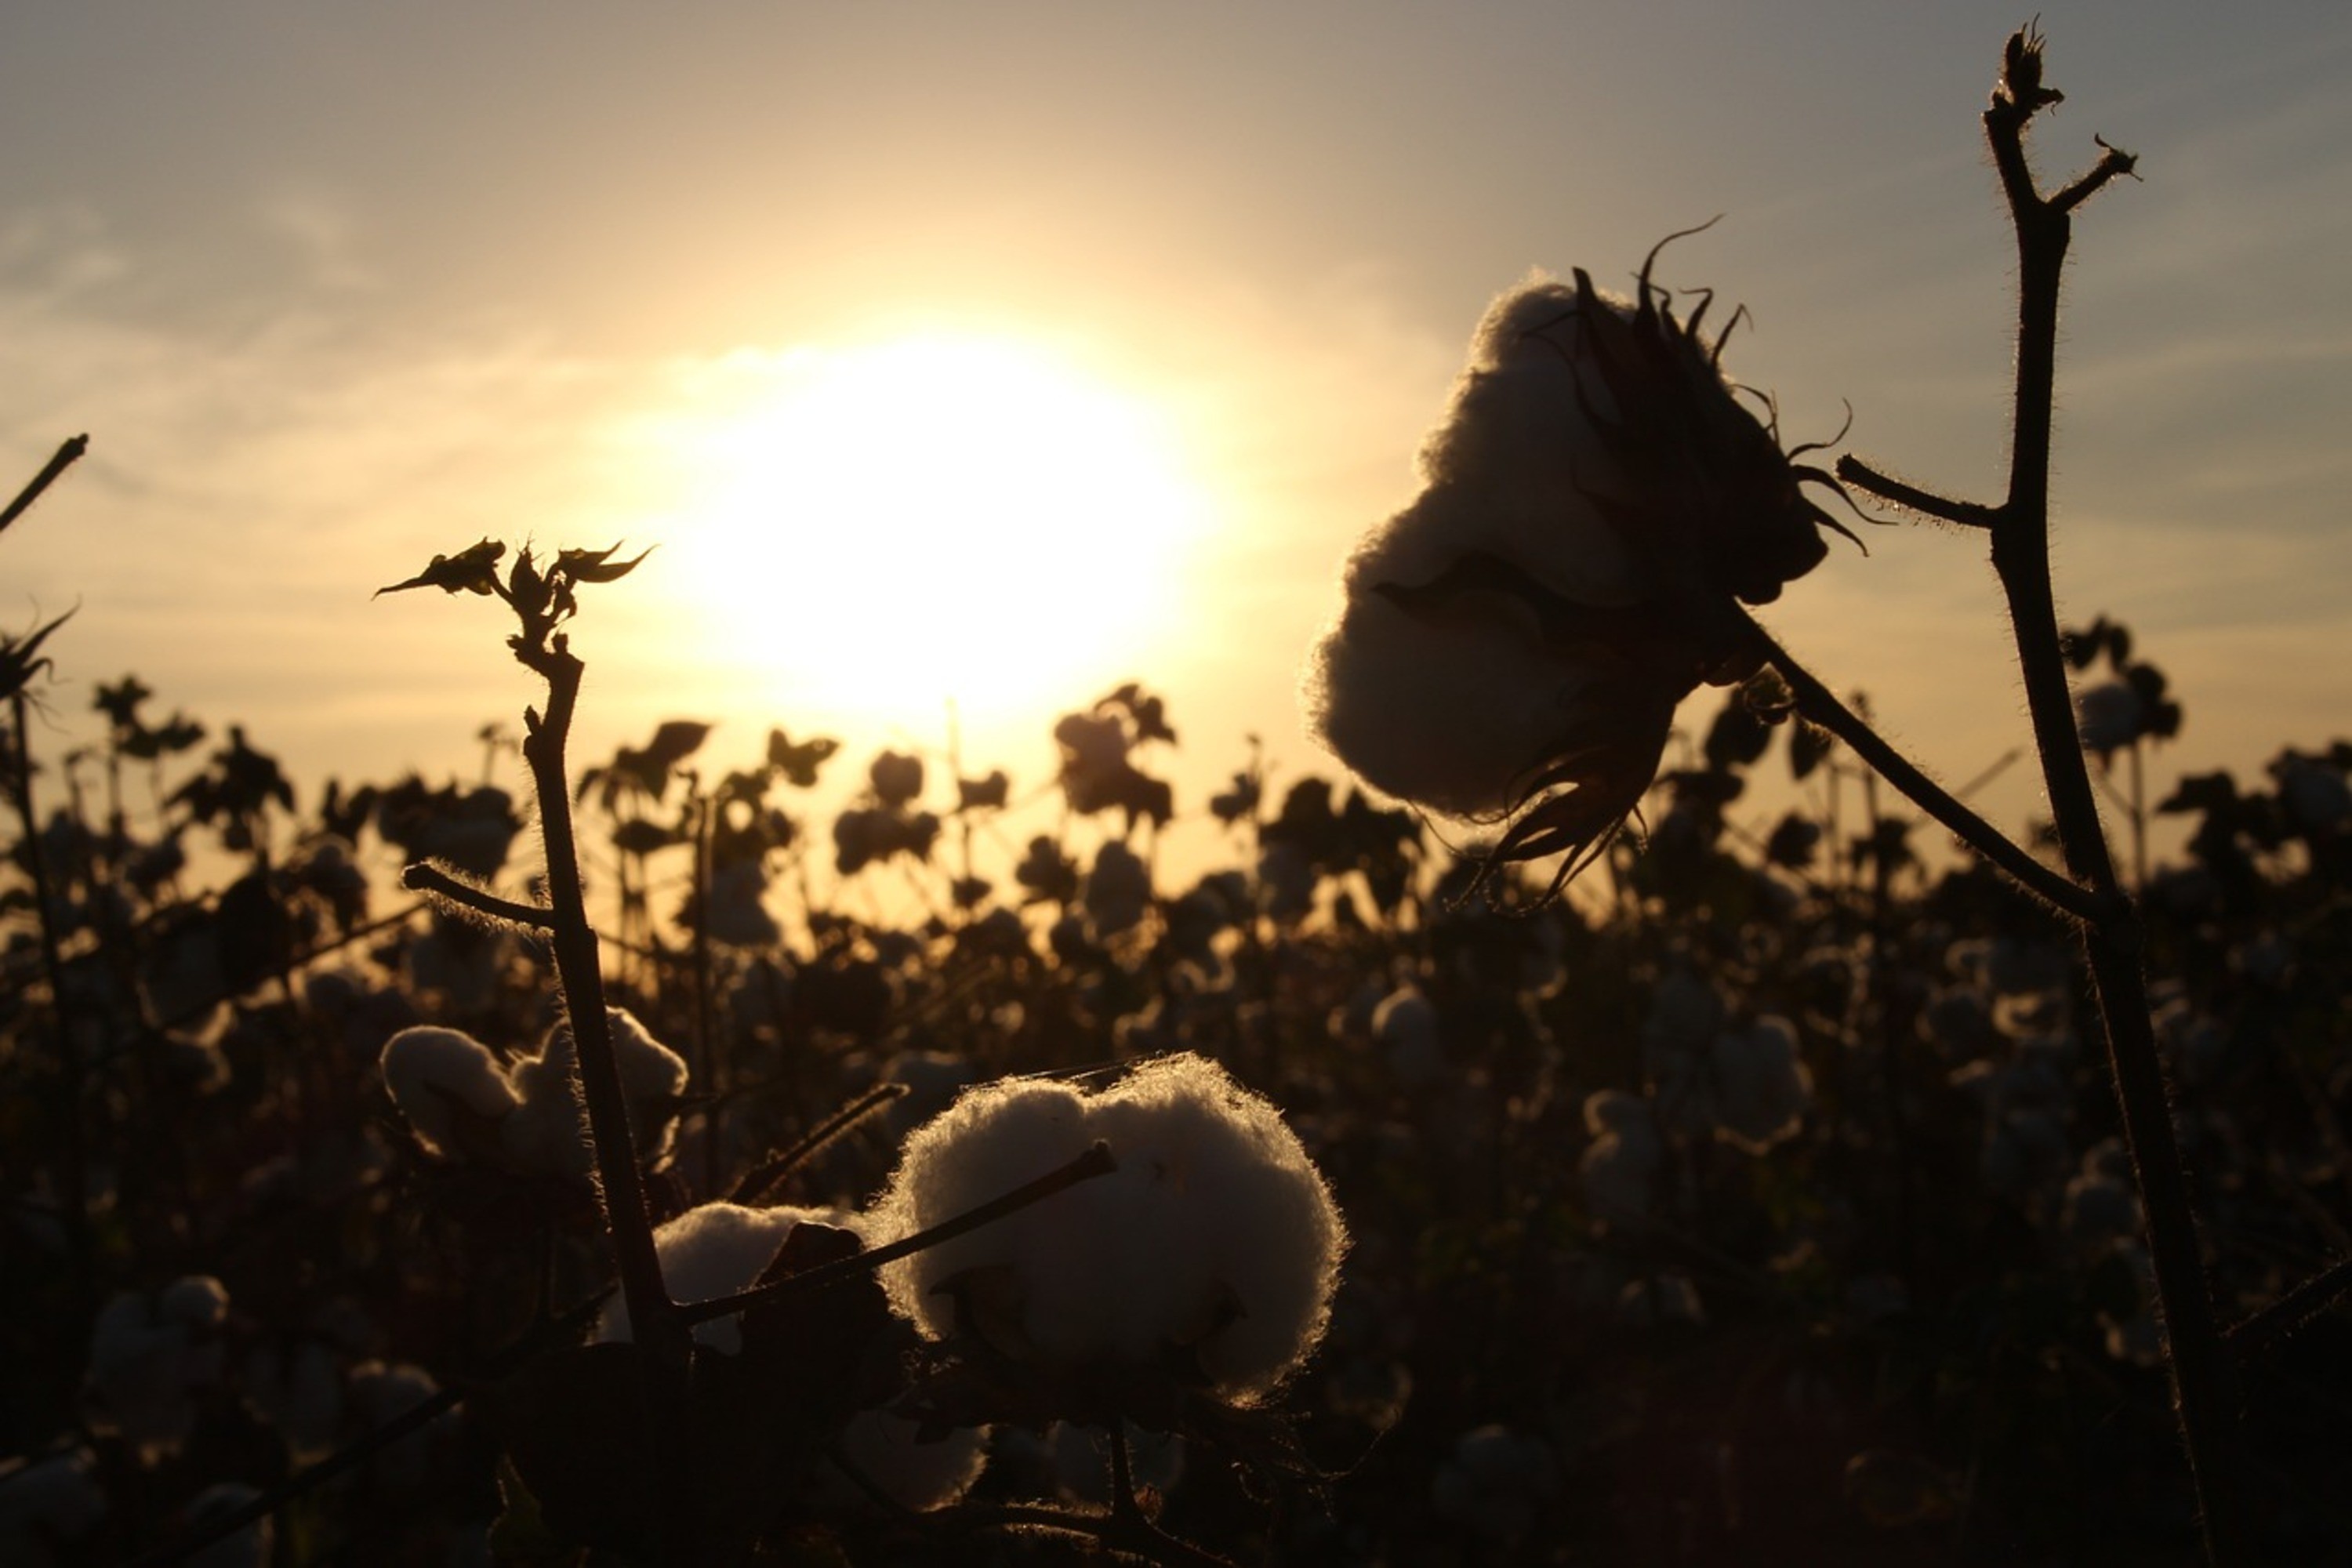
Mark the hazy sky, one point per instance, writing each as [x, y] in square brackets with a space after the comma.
[334, 288]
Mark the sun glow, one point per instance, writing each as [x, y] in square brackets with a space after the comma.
[898, 526]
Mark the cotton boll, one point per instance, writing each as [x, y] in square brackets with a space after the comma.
[436, 1075]
[1763, 1087]
[1214, 1233]
[1453, 713]
[548, 1133]
[147, 1356]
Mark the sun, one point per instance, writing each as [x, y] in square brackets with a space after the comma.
[898, 526]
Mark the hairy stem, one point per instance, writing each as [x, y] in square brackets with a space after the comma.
[654, 1318]
[2203, 1377]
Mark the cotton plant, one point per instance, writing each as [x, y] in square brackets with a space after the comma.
[1598, 514]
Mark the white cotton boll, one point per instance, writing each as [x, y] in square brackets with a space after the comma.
[720, 1250]
[548, 1133]
[1763, 1087]
[433, 1074]
[1216, 1232]
[1451, 710]
[1406, 1025]
[145, 1358]
[47, 1503]
[916, 1473]
[1516, 463]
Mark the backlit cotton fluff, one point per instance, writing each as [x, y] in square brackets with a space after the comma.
[1215, 1235]
[548, 1133]
[440, 1079]
[1514, 643]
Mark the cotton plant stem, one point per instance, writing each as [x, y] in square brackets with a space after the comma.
[2203, 1378]
[653, 1317]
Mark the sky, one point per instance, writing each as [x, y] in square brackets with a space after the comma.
[960, 362]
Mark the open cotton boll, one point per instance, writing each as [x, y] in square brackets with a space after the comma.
[1762, 1086]
[1620, 1167]
[432, 1073]
[1215, 1233]
[547, 1133]
[717, 1250]
[147, 1356]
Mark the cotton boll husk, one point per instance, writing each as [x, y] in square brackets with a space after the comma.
[427, 1070]
[717, 1250]
[1213, 1204]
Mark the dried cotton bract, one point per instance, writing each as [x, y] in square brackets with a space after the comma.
[1215, 1235]
[1515, 642]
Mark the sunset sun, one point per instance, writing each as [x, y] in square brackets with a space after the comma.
[898, 526]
